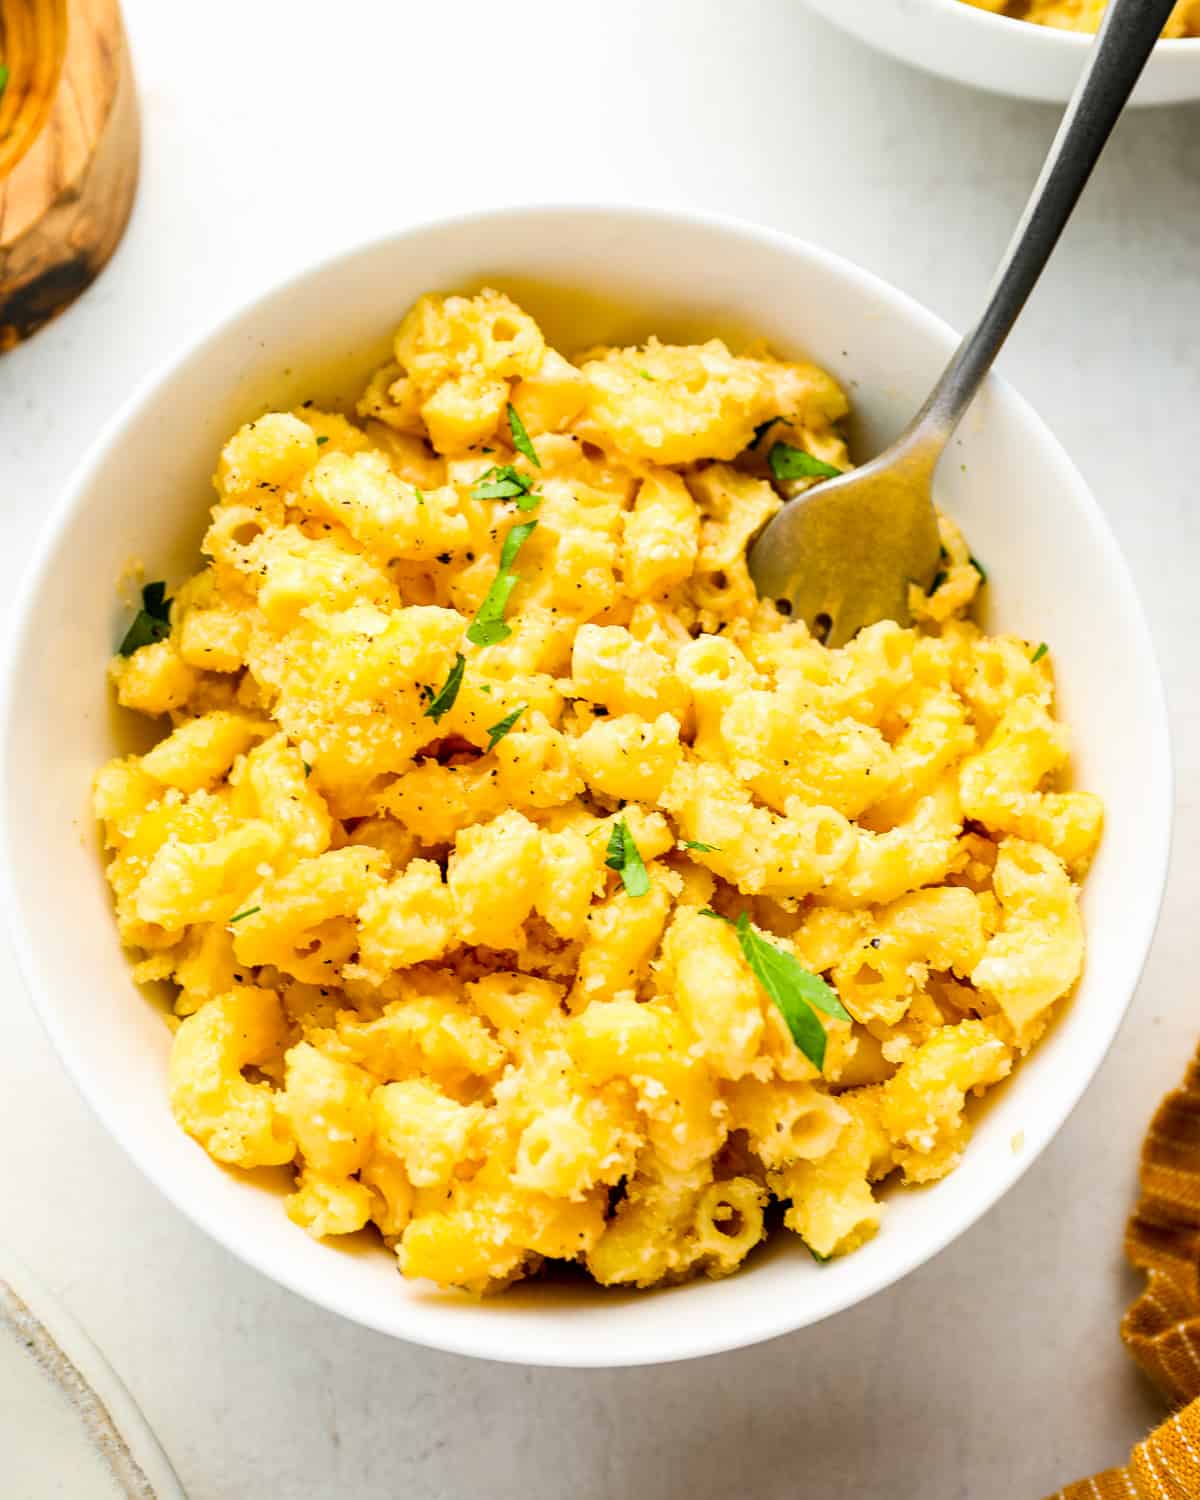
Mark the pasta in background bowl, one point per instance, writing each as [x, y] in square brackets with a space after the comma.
[1058, 578]
[987, 44]
[1086, 15]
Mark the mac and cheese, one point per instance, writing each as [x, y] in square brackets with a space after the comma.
[529, 886]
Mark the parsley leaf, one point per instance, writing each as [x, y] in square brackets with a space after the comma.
[701, 848]
[420, 494]
[155, 601]
[488, 626]
[443, 699]
[797, 992]
[502, 482]
[321, 441]
[623, 856]
[646, 375]
[307, 769]
[3, 79]
[979, 568]
[820, 1259]
[497, 731]
[766, 956]
[249, 912]
[793, 463]
[520, 437]
[1039, 653]
[151, 623]
[761, 431]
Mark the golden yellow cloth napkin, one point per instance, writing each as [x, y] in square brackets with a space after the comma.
[1162, 1328]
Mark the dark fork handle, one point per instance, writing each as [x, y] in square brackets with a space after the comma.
[1125, 41]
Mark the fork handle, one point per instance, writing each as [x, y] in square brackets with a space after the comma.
[1124, 43]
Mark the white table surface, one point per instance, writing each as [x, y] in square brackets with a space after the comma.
[277, 130]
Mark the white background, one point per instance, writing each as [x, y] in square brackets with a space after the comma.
[277, 130]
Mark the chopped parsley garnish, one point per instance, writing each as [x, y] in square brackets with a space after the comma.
[1039, 653]
[701, 848]
[646, 375]
[321, 441]
[420, 494]
[820, 1259]
[443, 700]
[497, 731]
[242, 915]
[488, 626]
[151, 623]
[155, 601]
[520, 437]
[761, 431]
[622, 855]
[793, 463]
[3, 79]
[502, 482]
[796, 991]
[307, 769]
[979, 568]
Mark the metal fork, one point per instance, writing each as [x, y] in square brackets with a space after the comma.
[842, 554]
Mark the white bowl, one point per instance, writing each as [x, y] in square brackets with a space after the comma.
[143, 492]
[972, 46]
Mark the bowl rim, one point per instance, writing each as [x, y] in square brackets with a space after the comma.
[1066, 41]
[502, 1344]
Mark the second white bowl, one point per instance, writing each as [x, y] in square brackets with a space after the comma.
[589, 274]
[972, 46]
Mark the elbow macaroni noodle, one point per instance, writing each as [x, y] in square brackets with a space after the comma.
[404, 963]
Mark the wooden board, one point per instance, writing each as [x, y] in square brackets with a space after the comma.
[69, 148]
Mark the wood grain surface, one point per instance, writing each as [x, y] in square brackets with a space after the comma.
[69, 148]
